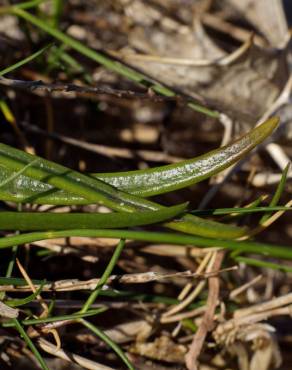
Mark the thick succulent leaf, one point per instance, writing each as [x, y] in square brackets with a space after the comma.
[166, 178]
[28, 221]
[144, 183]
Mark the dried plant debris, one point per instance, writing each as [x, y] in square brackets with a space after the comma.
[267, 17]
[251, 77]
[162, 349]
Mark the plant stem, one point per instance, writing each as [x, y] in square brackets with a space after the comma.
[93, 296]
[159, 237]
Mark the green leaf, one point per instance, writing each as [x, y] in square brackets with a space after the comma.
[153, 181]
[162, 179]
[28, 221]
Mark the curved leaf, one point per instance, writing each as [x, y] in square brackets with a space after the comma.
[149, 182]
[171, 177]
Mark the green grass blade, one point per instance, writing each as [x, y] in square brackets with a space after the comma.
[4, 280]
[24, 61]
[263, 264]
[30, 344]
[108, 341]
[278, 193]
[29, 221]
[92, 189]
[73, 316]
[107, 272]
[23, 301]
[239, 210]
[232, 216]
[24, 5]
[277, 251]
[57, 12]
[60, 58]
[29, 4]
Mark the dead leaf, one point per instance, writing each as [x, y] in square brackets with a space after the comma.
[266, 356]
[267, 16]
[8, 312]
[162, 349]
[250, 84]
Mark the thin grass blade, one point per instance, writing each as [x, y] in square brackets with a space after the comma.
[24, 61]
[277, 251]
[107, 272]
[108, 341]
[72, 317]
[30, 344]
[23, 301]
[263, 264]
[277, 195]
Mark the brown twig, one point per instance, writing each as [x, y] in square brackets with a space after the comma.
[185, 301]
[140, 278]
[237, 291]
[207, 322]
[265, 306]
[69, 90]
[223, 61]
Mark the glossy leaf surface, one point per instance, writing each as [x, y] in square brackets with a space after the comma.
[172, 177]
[153, 181]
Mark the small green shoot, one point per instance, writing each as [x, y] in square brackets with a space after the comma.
[30, 344]
[108, 341]
[24, 61]
[106, 274]
[277, 195]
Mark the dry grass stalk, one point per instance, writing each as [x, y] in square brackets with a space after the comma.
[207, 322]
[71, 357]
[140, 278]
